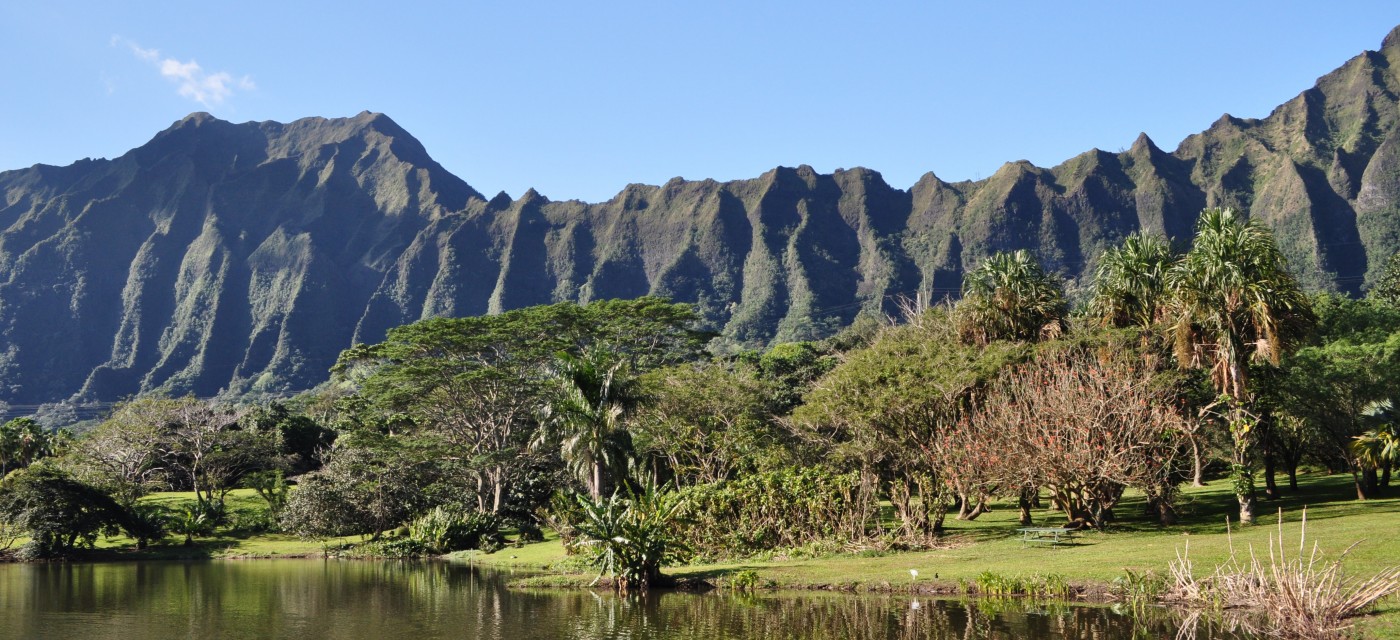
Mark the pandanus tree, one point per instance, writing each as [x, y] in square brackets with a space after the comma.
[593, 393]
[1130, 283]
[1010, 297]
[1233, 299]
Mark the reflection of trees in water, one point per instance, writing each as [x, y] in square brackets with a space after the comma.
[725, 616]
[312, 600]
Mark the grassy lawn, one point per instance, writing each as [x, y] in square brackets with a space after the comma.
[1335, 521]
[991, 543]
[224, 544]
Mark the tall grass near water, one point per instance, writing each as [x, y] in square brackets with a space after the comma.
[1298, 595]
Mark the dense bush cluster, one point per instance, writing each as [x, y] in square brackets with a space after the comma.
[783, 508]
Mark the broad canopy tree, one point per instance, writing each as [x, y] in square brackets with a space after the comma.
[476, 387]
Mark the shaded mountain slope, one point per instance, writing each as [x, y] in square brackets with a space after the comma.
[246, 256]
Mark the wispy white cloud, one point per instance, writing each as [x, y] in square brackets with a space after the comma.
[192, 81]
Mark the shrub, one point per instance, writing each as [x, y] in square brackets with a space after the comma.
[145, 524]
[273, 489]
[392, 548]
[1139, 589]
[629, 539]
[194, 520]
[358, 492]
[443, 530]
[745, 580]
[251, 521]
[781, 509]
[1043, 586]
[563, 516]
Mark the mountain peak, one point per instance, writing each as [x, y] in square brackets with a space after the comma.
[379, 122]
[499, 201]
[1392, 40]
[198, 118]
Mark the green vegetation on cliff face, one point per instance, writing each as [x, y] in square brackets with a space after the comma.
[246, 256]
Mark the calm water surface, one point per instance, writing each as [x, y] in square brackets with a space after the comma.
[353, 600]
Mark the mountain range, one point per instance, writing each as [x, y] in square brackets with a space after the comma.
[245, 257]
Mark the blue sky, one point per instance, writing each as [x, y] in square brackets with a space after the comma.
[577, 99]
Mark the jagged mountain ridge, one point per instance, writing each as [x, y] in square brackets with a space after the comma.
[246, 256]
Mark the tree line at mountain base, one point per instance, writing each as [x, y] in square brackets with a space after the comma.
[610, 422]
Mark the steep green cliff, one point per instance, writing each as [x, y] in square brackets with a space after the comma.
[246, 256]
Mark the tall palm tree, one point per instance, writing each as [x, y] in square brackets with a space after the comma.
[1130, 283]
[1232, 299]
[593, 393]
[1010, 297]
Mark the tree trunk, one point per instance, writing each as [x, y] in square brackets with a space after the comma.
[597, 489]
[1246, 506]
[499, 491]
[1293, 477]
[1270, 484]
[1362, 490]
[1024, 502]
[1244, 487]
[1385, 476]
[1197, 465]
[1166, 515]
[971, 514]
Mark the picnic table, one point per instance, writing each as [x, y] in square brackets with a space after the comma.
[1048, 535]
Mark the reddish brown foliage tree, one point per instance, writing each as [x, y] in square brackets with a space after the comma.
[1084, 427]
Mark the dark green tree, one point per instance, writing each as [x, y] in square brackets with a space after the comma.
[474, 388]
[1387, 288]
[58, 512]
[365, 488]
[22, 442]
[1337, 385]
[706, 422]
[885, 411]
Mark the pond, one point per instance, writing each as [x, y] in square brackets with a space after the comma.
[350, 600]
